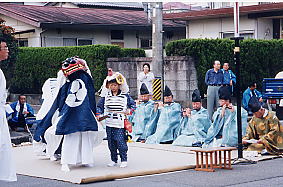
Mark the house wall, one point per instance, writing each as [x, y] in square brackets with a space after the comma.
[264, 28]
[213, 28]
[33, 37]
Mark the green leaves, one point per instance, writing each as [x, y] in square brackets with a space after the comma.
[259, 58]
[34, 65]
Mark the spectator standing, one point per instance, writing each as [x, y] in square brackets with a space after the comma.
[146, 77]
[213, 79]
[229, 78]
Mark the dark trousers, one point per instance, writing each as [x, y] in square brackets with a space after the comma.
[13, 125]
[117, 141]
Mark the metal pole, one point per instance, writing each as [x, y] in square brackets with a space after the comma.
[157, 42]
[238, 75]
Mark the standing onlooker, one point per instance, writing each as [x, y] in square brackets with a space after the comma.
[7, 169]
[146, 77]
[213, 79]
[248, 93]
[229, 78]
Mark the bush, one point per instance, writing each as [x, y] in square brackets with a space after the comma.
[36, 64]
[259, 58]
[129, 52]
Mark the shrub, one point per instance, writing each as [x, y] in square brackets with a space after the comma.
[36, 64]
[259, 58]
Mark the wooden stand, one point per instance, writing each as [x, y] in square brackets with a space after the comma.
[213, 158]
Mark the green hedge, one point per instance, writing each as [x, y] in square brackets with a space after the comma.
[259, 58]
[36, 64]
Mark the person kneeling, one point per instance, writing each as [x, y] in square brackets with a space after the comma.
[264, 132]
[144, 123]
[194, 124]
[168, 122]
[223, 131]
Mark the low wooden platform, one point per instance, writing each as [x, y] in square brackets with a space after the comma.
[209, 158]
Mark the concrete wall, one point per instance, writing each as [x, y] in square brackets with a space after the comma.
[180, 74]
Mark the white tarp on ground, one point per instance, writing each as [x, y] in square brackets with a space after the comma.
[143, 159]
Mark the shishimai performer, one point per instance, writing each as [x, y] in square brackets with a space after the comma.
[70, 125]
[114, 108]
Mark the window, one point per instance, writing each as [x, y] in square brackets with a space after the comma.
[22, 42]
[146, 43]
[84, 42]
[69, 42]
[117, 35]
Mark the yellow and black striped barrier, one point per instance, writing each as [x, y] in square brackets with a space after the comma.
[156, 89]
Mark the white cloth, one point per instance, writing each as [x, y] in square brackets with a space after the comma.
[7, 167]
[147, 79]
[77, 148]
[280, 76]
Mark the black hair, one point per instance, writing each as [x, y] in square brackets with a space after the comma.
[20, 96]
[252, 84]
[146, 64]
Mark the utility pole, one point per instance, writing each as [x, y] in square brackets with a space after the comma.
[237, 39]
[157, 48]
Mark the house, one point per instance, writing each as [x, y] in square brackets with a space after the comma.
[48, 26]
[263, 21]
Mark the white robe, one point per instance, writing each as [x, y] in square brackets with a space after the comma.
[77, 148]
[7, 167]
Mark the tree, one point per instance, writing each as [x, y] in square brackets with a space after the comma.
[7, 65]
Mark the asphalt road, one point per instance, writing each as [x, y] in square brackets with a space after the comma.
[264, 173]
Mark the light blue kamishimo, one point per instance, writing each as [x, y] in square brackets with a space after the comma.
[225, 127]
[143, 121]
[193, 129]
[168, 123]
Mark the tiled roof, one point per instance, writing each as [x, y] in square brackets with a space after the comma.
[42, 15]
[111, 4]
[224, 12]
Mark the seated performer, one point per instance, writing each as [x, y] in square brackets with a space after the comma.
[114, 108]
[168, 122]
[21, 110]
[144, 123]
[223, 131]
[194, 124]
[264, 132]
[71, 116]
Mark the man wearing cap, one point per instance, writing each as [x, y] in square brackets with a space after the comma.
[168, 122]
[264, 132]
[144, 117]
[223, 131]
[213, 79]
[194, 124]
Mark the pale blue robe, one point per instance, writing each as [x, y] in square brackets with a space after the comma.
[167, 125]
[194, 128]
[143, 116]
[226, 127]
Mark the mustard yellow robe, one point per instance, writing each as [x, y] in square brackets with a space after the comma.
[268, 130]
